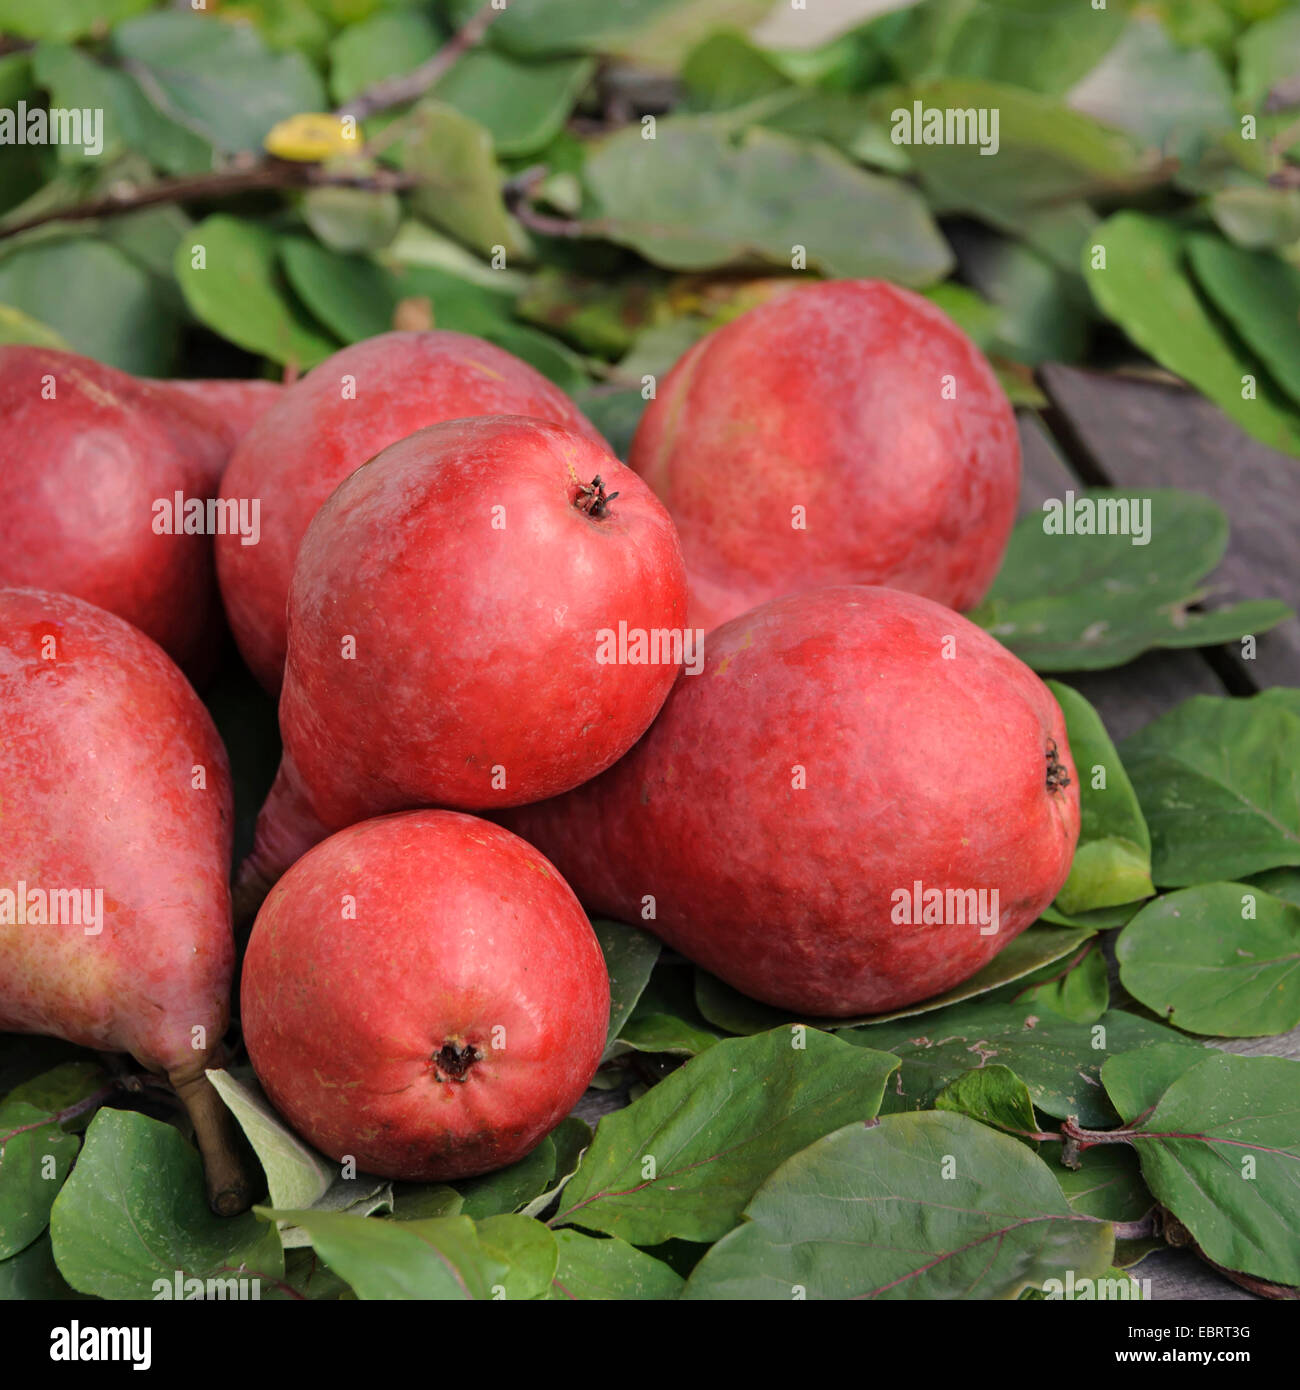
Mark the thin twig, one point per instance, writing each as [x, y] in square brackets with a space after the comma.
[517, 193]
[267, 174]
[397, 91]
[68, 1113]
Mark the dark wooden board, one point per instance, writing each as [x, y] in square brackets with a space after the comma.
[1129, 696]
[1115, 431]
[1143, 434]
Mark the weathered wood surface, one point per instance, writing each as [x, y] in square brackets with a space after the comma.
[1119, 432]
[1132, 695]
[1142, 434]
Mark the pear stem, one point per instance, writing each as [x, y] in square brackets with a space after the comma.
[227, 1160]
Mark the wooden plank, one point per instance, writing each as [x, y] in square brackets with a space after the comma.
[1180, 1276]
[1128, 696]
[1145, 434]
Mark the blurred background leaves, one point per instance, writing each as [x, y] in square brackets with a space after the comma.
[595, 185]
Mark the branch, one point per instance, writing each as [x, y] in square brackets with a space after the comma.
[517, 193]
[397, 91]
[268, 173]
[226, 183]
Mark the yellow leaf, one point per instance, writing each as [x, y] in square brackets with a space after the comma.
[312, 137]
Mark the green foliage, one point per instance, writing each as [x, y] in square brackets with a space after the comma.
[523, 198]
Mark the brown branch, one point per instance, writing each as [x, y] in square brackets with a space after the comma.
[267, 174]
[517, 194]
[397, 91]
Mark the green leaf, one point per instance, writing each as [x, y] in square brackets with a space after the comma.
[615, 414]
[528, 1251]
[1221, 1150]
[1144, 288]
[542, 352]
[459, 181]
[1112, 864]
[134, 1213]
[571, 1138]
[684, 1159]
[1038, 312]
[1059, 1060]
[1081, 993]
[35, 1156]
[296, 1175]
[60, 1088]
[100, 302]
[749, 197]
[130, 123]
[1260, 296]
[352, 219]
[415, 1201]
[1089, 602]
[1135, 1081]
[665, 1018]
[1266, 56]
[25, 1056]
[306, 1276]
[726, 70]
[594, 315]
[523, 106]
[591, 1267]
[1282, 883]
[67, 20]
[932, 1206]
[150, 238]
[15, 78]
[1039, 946]
[1161, 93]
[1047, 154]
[995, 1096]
[508, 1189]
[1196, 958]
[652, 32]
[219, 80]
[1108, 1182]
[1215, 778]
[630, 956]
[351, 295]
[1043, 45]
[32, 1274]
[1258, 216]
[653, 1032]
[437, 1259]
[239, 292]
[388, 44]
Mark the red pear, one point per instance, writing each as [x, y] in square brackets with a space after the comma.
[238, 405]
[342, 413]
[114, 858]
[841, 433]
[91, 462]
[424, 993]
[486, 613]
[846, 755]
